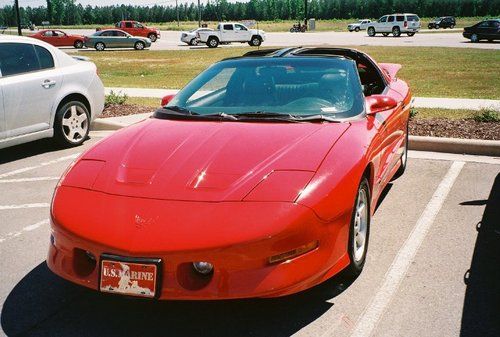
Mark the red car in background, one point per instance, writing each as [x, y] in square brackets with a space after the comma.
[258, 179]
[59, 38]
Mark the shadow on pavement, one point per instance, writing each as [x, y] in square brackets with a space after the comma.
[481, 312]
[43, 304]
[27, 150]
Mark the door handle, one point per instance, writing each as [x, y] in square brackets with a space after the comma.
[47, 84]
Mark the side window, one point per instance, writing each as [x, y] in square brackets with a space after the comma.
[391, 19]
[18, 58]
[138, 25]
[484, 24]
[228, 27]
[400, 18]
[118, 33]
[107, 33]
[383, 19]
[44, 57]
[239, 27]
[218, 27]
[128, 24]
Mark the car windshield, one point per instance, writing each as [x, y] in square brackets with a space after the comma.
[293, 86]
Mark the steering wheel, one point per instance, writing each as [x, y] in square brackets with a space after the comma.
[310, 102]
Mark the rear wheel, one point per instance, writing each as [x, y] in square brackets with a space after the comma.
[193, 42]
[212, 42]
[396, 32]
[371, 31]
[437, 26]
[78, 44]
[139, 45]
[152, 37]
[99, 46]
[452, 26]
[72, 122]
[359, 230]
[404, 158]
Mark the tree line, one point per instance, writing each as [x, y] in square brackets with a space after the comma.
[68, 12]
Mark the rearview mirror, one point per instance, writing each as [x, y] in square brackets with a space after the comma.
[379, 103]
[166, 99]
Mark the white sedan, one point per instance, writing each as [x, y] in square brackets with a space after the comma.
[45, 93]
[190, 37]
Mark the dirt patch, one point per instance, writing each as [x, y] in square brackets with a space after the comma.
[455, 128]
[435, 127]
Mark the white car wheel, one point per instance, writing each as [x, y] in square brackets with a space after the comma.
[99, 46]
[72, 123]
[139, 45]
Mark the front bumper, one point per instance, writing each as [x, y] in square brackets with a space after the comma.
[236, 237]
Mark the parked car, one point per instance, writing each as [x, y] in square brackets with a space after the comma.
[45, 93]
[190, 37]
[115, 38]
[484, 30]
[357, 26]
[395, 24]
[227, 32]
[135, 28]
[442, 22]
[59, 38]
[258, 179]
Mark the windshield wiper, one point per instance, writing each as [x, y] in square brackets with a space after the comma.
[175, 112]
[176, 108]
[317, 118]
[264, 114]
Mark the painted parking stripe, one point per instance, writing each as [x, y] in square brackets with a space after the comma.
[35, 205]
[23, 180]
[29, 228]
[367, 323]
[29, 168]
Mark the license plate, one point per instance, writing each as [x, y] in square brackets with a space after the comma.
[134, 277]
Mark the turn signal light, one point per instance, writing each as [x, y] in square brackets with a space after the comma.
[294, 252]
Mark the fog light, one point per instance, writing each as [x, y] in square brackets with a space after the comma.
[90, 255]
[294, 252]
[202, 267]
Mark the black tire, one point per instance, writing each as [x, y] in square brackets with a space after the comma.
[385, 34]
[139, 45]
[78, 44]
[100, 46]
[212, 42]
[410, 34]
[371, 31]
[474, 38]
[152, 37]
[193, 42]
[255, 41]
[356, 29]
[69, 129]
[452, 26]
[437, 26]
[404, 158]
[396, 32]
[429, 26]
[357, 264]
[292, 30]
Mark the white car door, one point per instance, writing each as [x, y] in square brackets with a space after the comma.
[29, 84]
[241, 32]
[228, 34]
[381, 24]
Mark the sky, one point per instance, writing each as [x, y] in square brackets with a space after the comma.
[36, 3]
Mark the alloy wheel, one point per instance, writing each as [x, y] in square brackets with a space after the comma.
[360, 225]
[75, 124]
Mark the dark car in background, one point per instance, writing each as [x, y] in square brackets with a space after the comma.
[442, 22]
[484, 30]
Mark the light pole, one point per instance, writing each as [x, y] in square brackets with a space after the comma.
[199, 14]
[177, 10]
[305, 12]
[18, 17]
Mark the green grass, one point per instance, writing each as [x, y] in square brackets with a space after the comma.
[144, 101]
[431, 72]
[444, 113]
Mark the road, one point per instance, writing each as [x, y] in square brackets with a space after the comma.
[170, 40]
[432, 267]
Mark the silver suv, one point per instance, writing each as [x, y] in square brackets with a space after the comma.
[395, 24]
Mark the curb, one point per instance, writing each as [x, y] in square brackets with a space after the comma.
[455, 145]
[417, 143]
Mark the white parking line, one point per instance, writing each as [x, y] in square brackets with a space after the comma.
[367, 323]
[29, 168]
[35, 205]
[29, 228]
[23, 180]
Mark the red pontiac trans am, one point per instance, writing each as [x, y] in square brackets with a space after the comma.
[59, 38]
[258, 179]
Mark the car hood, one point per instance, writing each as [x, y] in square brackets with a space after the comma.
[204, 161]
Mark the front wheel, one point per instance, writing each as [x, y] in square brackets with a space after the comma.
[452, 26]
[356, 29]
[371, 31]
[99, 46]
[410, 34]
[152, 37]
[255, 41]
[71, 126]
[396, 32]
[139, 45]
[437, 26]
[359, 230]
[78, 44]
[474, 38]
[212, 42]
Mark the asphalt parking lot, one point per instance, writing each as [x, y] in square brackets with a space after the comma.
[432, 267]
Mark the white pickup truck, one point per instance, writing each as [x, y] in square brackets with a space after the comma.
[227, 32]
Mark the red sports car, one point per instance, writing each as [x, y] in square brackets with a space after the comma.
[258, 179]
[59, 38]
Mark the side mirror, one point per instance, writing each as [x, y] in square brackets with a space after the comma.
[166, 99]
[379, 103]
